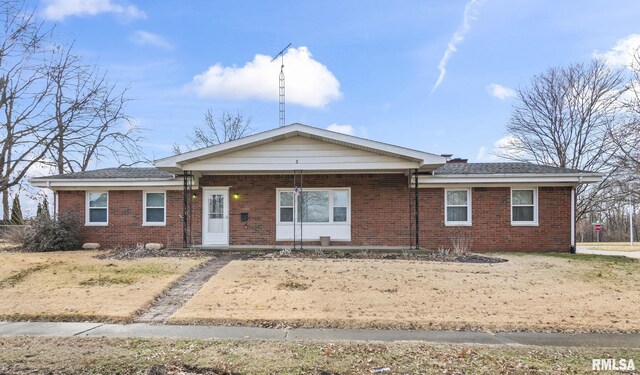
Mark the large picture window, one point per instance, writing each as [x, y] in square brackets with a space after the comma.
[154, 208]
[314, 206]
[457, 206]
[524, 206]
[97, 211]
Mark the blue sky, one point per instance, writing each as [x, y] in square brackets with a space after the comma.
[369, 66]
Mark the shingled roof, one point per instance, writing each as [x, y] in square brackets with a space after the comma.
[501, 168]
[113, 173]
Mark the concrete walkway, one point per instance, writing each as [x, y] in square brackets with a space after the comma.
[144, 330]
[183, 289]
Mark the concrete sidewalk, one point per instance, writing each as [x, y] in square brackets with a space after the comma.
[144, 330]
[594, 250]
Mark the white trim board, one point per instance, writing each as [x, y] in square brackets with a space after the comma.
[418, 158]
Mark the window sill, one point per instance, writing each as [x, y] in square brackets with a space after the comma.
[96, 224]
[524, 224]
[457, 224]
[154, 224]
[310, 223]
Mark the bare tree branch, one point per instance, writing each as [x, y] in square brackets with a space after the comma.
[227, 127]
[563, 119]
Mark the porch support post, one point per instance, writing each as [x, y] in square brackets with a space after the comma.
[185, 210]
[572, 248]
[417, 212]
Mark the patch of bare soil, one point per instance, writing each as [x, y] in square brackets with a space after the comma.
[180, 369]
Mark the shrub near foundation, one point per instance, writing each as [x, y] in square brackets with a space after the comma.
[47, 234]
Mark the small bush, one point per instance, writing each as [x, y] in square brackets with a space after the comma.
[47, 234]
[461, 242]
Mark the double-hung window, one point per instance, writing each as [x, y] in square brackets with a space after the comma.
[154, 208]
[457, 207]
[97, 208]
[286, 206]
[524, 206]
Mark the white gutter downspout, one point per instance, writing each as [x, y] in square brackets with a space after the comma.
[572, 249]
[55, 200]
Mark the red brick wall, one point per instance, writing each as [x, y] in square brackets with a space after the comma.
[491, 219]
[125, 219]
[379, 214]
[379, 206]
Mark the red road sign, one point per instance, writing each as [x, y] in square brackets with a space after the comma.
[597, 227]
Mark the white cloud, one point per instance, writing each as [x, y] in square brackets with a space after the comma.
[470, 12]
[307, 81]
[490, 154]
[58, 10]
[344, 129]
[622, 52]
[501, 92]
[145, 38]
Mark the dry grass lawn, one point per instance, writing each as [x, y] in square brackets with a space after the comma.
[52, 355]
[530, 292]
[76, 286]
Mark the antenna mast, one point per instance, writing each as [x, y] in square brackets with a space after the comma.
[281, 55]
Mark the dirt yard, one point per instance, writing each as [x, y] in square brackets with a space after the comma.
[529, 292]
[76, 286]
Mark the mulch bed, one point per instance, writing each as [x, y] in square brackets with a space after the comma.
[129, 253]
[315, 254]
[136, 252]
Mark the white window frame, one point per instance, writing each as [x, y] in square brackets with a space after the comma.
[468, 206]
[535, 207]
[87, 209]
[295, 207]
[144, 209]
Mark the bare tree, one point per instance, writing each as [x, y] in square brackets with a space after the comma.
[24, 95]
[626, 135]
[54, 109]
[227, 127]
[563, 119]
[90, 121]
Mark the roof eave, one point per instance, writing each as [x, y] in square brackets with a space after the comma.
[576, 178]
[53, 183]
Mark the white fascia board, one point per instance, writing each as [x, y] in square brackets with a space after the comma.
[111, 183]
[296, 130]
[508, 179]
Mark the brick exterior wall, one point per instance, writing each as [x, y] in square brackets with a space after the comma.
[491, 228]
[379, 206]
[380, 214]
[125, 219]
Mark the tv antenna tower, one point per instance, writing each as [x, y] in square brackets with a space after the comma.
[281, 55]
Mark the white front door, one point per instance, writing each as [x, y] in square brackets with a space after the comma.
[215, 217]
